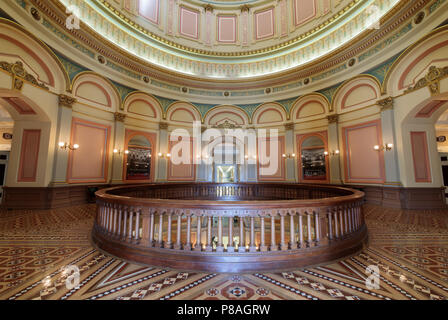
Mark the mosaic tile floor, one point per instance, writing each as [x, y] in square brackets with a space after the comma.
[410, 249]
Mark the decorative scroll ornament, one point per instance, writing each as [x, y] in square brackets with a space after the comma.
[333, 118]
[19, 74]
[431, 80]
[386, 104]
[66, 101]
[118, 116]
[226, 125]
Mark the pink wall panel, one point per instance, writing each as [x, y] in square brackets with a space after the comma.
[149, 9]
[304, 10]
[189, 23]
[29, 155]
[89, 163]
[181, 172]
[362, 163]
[264, 24]
[420, 156]
[227, 29]
[280, 172]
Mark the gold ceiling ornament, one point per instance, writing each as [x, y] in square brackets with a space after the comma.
[118, 116]
[386, 104]
[226, 125]
[430, 80]
[333, 118]
[66, 101]
[19, 74]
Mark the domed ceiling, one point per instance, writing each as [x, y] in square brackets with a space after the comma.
[230, 39]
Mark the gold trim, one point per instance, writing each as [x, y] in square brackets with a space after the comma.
[43, 45]
[406, 52]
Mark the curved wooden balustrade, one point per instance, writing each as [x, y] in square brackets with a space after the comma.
[229, 227]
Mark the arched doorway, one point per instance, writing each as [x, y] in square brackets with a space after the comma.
[138, 158]
[313, 158]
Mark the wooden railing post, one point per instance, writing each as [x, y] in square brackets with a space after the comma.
[263, 246]
[301, 240]
[219, 246]
[187, 245]
[178, 244]
[169, 243]
[292, 236]
[209, 246]
[283, 245]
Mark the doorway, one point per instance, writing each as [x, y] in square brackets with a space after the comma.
[225, 173]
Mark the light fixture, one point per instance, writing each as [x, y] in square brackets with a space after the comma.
[387, 147]
[119, 151]
[332, 153]
[65, 146]
[289, 155]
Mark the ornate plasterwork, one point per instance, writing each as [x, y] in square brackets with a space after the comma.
[386, 104]
[66, 101]
[120, 117]
[430, 80]
[164, 54]
[227, 125]
[19, 74]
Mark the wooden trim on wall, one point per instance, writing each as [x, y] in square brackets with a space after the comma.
[29, 154]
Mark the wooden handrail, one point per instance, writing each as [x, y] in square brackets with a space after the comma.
[294, 222]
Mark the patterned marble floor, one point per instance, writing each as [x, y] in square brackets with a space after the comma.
[409, 247]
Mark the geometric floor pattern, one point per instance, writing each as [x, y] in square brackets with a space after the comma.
[410, 249]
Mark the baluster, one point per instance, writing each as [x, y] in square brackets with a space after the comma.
[341, 221]
[308, 222]
[301, 241]
[151, 229]
[336, 229]
[292, 236]
[160, 232]
[283, 245]
[107, 218]
[168, 243]
[273, 244]
[119, 222]
[131, 216]
[231, 244]
[178, 244]
[198, 246]
[263, 246]
[346, 220]
[188, 244]
[330, 224]
[241, 246]
[316, 228]
[137, 224]
[114, 220]
[252, 247]
[219, 247]
[125, 224]
[209, 246]
[349, 218]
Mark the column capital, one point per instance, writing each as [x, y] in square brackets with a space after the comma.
[333, 118]
[289, 126]
[66, 101]
[245, 8]
[208, 8]
[118, 116]
[163, 125]
[386, 104]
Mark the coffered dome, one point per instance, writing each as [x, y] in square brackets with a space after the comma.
[230, 39]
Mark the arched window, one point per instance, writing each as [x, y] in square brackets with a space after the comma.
[313, 163]
[138, 160]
